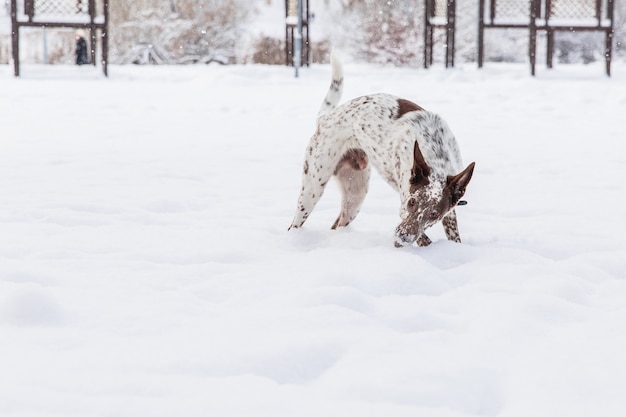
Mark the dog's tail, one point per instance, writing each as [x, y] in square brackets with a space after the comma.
[336, 87]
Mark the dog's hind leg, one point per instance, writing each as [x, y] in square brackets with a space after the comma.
[353, 175]
[450, 226]
[319, 166]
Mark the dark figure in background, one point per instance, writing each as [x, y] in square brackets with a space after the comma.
[81, 48]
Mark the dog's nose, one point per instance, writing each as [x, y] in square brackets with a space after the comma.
[403, 239]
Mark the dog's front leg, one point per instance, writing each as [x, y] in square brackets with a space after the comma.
[423, 240]
[450, 226]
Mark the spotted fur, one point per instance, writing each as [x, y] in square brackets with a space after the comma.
[413, 149]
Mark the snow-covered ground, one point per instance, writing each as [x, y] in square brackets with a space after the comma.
[146, 268]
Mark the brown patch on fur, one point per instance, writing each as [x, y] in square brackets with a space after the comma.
[353, 158]
[406, 106]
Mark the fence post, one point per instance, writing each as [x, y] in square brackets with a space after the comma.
[297, 56]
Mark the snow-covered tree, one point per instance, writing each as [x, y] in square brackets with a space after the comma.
[391, 31]
[212, 29]
[377, 31]
[177, 31]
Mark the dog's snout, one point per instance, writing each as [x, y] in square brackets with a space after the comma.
[404, 240]
[403, 237]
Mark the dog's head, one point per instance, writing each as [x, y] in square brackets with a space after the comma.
[431, 198]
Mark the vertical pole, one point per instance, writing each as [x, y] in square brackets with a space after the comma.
[29, 9]
[447, 45]
[481, 29]
[450, 32]
[426, 31]
[287, 45]
[105, 39]
[308, 54]
[15, 39]
[608, 39]
[45, 45]
[297, 56]
[91, 9]
[287, 35]
[608, 47]
[550, 48]
[532, 43]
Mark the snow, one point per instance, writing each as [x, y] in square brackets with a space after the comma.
[146, 268]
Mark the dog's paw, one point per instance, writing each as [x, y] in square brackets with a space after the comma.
[423, 241]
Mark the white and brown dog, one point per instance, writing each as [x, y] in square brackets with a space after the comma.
[413, 149]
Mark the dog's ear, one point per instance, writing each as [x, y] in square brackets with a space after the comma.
[458, 183]
[420, 170]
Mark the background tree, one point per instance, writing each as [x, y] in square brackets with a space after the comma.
[177, 31]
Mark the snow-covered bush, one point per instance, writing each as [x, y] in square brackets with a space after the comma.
[177, 31]
[268, 50]
[386, 32]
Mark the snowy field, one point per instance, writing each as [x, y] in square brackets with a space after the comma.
[146, 268]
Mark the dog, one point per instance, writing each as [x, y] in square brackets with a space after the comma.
[413, 149]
